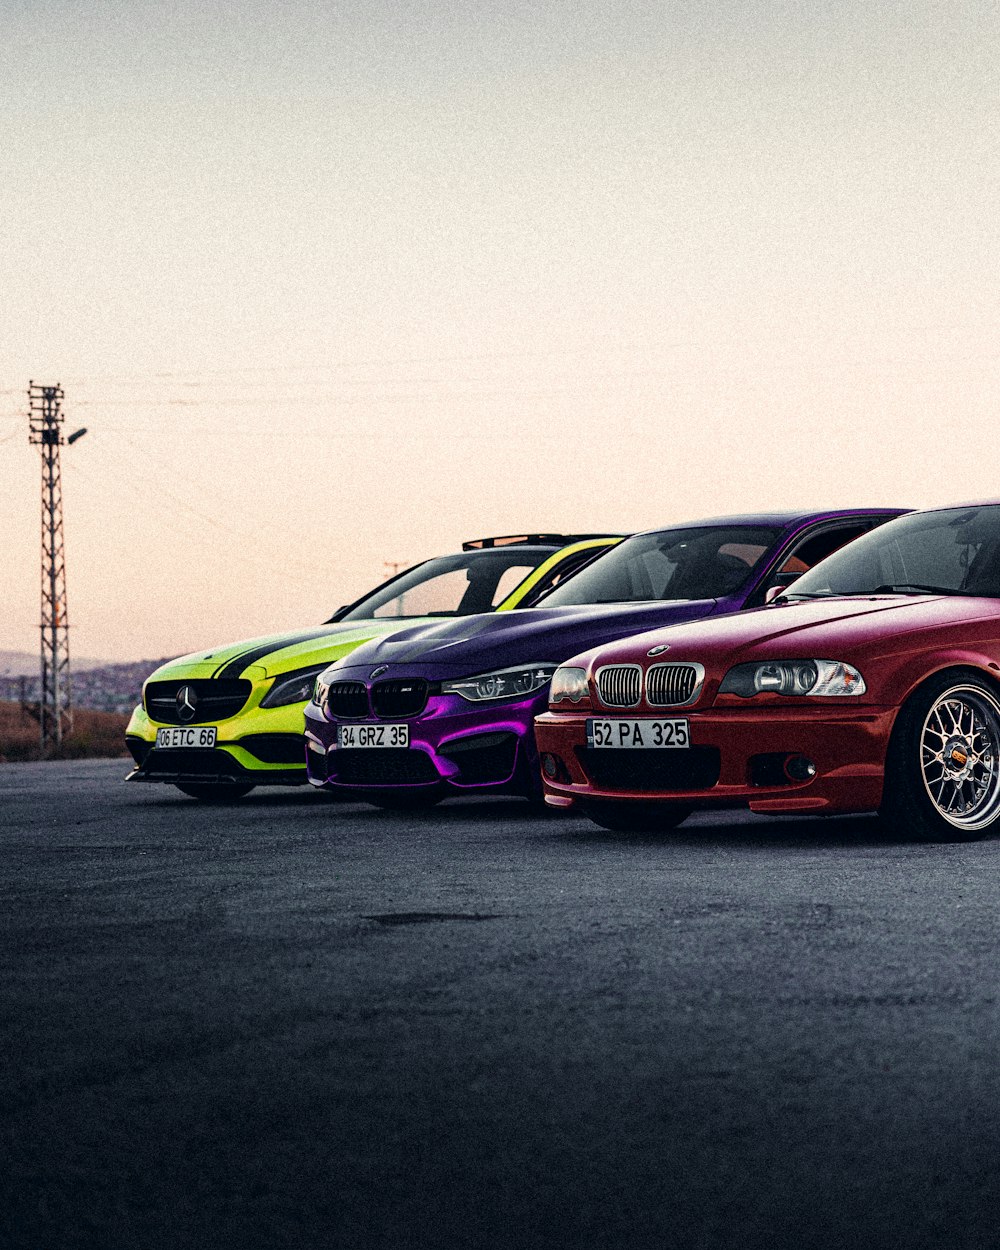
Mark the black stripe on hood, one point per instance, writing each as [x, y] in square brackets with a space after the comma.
[233, 668]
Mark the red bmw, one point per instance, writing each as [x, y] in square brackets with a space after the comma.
[871, 684]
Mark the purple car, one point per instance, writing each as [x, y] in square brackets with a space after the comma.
[446, 709]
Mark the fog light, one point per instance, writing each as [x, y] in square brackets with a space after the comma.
[799, 768]
[550, 765]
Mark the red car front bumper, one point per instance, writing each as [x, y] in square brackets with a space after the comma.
[737, 758]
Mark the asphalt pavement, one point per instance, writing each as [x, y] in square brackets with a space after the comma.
[290, 1022]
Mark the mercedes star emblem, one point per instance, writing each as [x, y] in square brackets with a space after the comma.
[187, 702]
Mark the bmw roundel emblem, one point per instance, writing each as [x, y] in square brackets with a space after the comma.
[377, 672]
[187, 703]
[664, 646]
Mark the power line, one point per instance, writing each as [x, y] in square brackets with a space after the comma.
[189, 522]
[373, 362]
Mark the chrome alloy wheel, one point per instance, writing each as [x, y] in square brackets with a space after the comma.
[960, 756]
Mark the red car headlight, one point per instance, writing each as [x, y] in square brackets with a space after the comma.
[569, 684]
[825, 678]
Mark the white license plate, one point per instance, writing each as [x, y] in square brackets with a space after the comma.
[644, 734]
[187, 736]
[366, 736]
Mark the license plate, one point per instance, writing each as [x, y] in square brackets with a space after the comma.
[367, 736]
[644, 734]
[187, 736]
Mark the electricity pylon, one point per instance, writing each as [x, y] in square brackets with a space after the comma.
[55, 704]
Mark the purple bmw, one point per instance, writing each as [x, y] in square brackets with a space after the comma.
[448, 708]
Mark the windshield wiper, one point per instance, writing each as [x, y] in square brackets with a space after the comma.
[920, 588]
[810, 594]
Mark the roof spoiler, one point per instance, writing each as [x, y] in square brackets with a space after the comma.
[510, 540]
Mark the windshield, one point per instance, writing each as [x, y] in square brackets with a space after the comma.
[694, 563]
[458, 585]
[956, 551]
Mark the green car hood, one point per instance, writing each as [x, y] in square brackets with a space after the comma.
[282, 653]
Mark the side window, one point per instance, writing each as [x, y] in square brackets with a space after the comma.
[807, 552]
[817, 547]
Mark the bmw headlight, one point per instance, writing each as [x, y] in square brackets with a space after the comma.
[294, 687]
[569, 683]
[503, 683]
[793, 677]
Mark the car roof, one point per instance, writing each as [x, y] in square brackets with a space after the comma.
[781, 520]
[966, 503]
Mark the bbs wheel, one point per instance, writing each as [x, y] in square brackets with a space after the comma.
[942, 775]
[636, 817]
[210, 792]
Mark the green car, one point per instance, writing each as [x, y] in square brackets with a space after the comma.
[219, 722]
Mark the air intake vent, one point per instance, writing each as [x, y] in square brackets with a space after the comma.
[618, 685]
[274, 748]
[650, 772]
[485, 759]
[673, 685]
[193, 765]
[388, 767]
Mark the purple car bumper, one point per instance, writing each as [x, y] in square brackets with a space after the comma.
[454, 746]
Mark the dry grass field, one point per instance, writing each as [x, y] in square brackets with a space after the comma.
[95, 734]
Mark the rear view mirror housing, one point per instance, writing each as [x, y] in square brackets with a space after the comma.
[779, 582]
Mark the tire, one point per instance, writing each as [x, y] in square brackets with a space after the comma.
[209, 792]
[402, 802]
[942, 769]
[631, 817]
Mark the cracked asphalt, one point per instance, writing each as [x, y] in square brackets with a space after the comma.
[295, 1023]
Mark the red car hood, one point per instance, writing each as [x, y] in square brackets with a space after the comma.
[814, 628]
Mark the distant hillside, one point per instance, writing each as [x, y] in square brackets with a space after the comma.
[95, 735]
[25, 664]
[107, 688]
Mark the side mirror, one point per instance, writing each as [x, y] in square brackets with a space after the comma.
[781, 582]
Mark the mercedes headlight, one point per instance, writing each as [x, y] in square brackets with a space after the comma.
[503, 683]
[321, 691]
[793, 677]
[294, 687]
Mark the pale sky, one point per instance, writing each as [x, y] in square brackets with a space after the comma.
[333, 284]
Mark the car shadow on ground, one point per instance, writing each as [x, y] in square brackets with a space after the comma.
[726, 828]
[746, 830]
[722, 830]
[270, 796]
[703, 829]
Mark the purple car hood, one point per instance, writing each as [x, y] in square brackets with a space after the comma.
[474, 644]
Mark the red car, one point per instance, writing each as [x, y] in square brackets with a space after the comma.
[872, 683]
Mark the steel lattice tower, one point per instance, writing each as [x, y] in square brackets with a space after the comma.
[55, 705]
